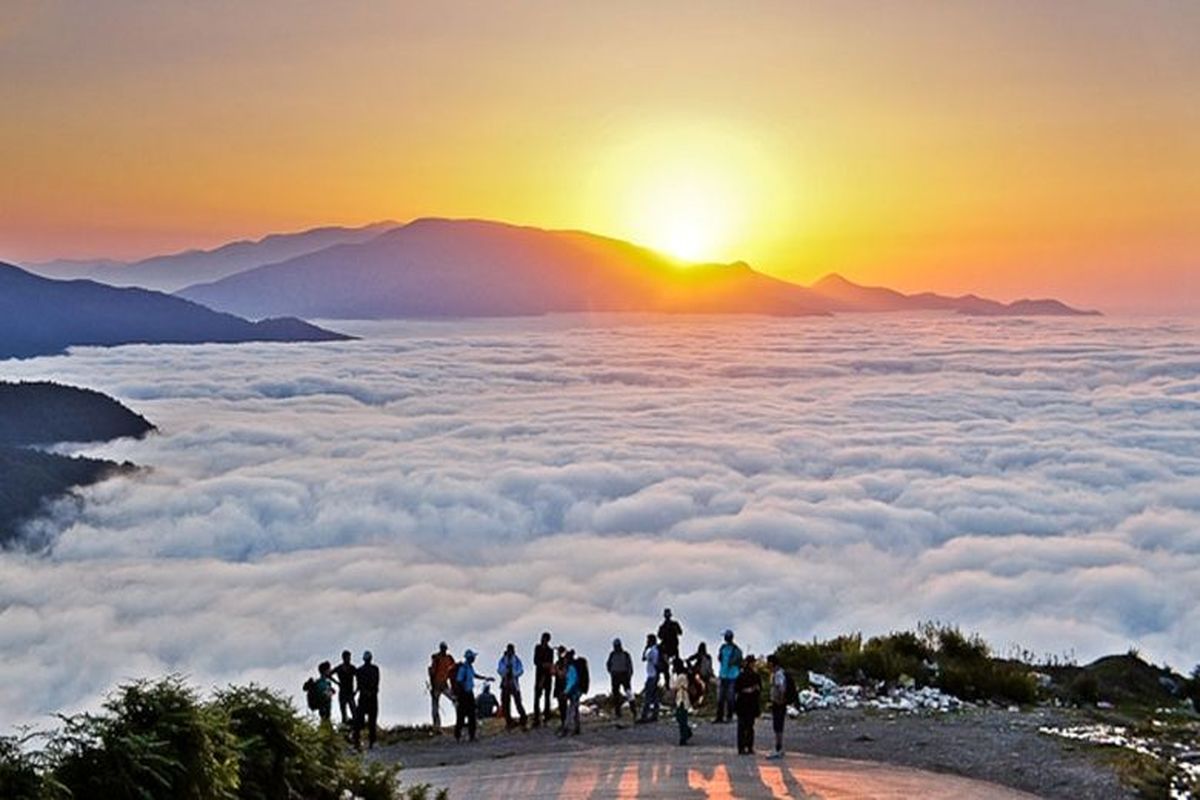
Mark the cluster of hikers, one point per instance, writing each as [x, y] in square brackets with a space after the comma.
[357, 690]
[563, 675]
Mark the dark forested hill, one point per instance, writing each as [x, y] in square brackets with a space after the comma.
[39, 316]
[43, 412]
[30, 478]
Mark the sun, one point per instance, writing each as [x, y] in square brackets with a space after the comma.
[698, 191]
[686, 214]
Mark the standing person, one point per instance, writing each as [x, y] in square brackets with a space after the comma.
[748, 688]
[543, 679]
[668, 644]
[729, 660]
[464, 695]
[620, 672]
[441, 673]
[560, 682]
[510, 669]
[780, 695]
[343, 675]
[700, 664]
[651, 656]
[573, 688]
[680, 687]
[368, 701]
[321, 694]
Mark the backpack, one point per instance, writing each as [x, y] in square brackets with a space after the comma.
[456, 686]
[581, 671]
[312, 696]
[791, 692]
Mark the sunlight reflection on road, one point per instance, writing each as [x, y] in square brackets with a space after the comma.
[642, 773]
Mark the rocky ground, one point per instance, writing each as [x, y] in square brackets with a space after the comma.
[989, 744]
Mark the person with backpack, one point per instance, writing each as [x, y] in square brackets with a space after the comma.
[680, 681]
[729, 665]
[441, 674]
[543, 679]
[510, 670]
[620, 673]
[466, 714]
[343, 675]
[651, 656]
[368, 702]
[784, 693]
[748, 706]
[319, 692]
[576, 685]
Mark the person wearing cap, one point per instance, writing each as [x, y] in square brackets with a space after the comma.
[729, 664]
[748, 688]
[441, 670]
[368, 701]
[510, 670]
[669, 633]
[543, 680]
[465, 709]
[620, 672]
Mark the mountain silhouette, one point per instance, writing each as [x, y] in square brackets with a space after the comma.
[444, 267]
[843, 295]
[441, 267]
[170, 272]
[40, 316]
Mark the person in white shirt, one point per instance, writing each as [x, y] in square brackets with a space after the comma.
[680, 684]
[650, 692]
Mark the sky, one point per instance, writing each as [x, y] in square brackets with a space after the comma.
[1011, 149]
[480, 481]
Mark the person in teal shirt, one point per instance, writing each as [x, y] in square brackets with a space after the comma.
[729, 659]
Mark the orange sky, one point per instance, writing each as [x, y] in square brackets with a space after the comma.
[1013, 149]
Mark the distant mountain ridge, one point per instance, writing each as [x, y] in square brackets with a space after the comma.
[845, 295]
[176, 270]
[40, 316]
[443, 267]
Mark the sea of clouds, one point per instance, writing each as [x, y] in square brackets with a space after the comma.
[1036, 481]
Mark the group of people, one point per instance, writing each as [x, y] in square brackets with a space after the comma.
[558, 672]
[561, 674]
[357, 691]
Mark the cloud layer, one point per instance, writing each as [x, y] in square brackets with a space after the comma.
[1038, 481]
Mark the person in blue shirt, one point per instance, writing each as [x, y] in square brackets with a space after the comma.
[729, 660]
[464, 690]
[573, 688]
[510, 670]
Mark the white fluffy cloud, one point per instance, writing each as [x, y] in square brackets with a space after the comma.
[1037, 481]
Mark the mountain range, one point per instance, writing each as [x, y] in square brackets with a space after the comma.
[174, 271]
[447, 268]
[40, 316]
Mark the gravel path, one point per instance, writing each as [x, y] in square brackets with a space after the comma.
[991, 745]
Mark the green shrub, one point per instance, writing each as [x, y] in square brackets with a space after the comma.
[155, 740]
[20, 777]
[280, 753]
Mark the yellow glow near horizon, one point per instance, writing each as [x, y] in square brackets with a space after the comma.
[698, 192]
